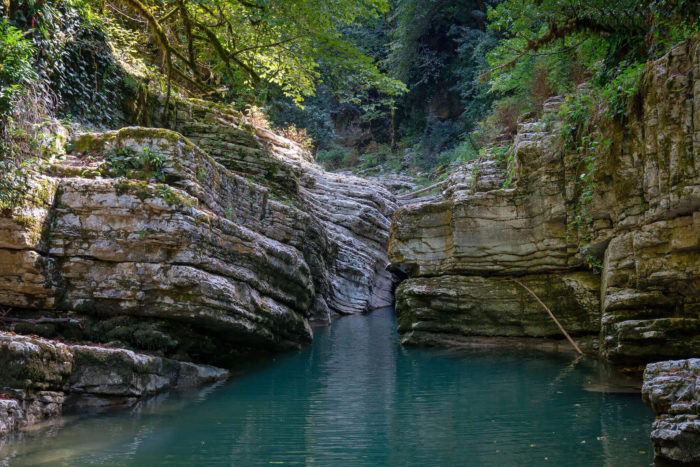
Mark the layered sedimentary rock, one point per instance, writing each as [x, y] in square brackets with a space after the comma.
[672, 390]
[493, 306]
[227, 248]
[543, 214]
[346, 238]
[460, 250]
[40, 376]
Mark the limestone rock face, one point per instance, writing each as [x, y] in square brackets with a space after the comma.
[495, 307]
[532, 210]
[40, 375]
[651, 275]
[347, 234]
[460, 250]
[672, 391]
[233, 245]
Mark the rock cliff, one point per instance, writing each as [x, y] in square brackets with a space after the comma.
[203, 244]
[540, 212]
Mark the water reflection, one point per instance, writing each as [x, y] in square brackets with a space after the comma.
[357, 398]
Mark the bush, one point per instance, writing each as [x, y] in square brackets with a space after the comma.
[620, 91]
[298, 135]
[331, 159]
[21, 105]
[439, 136]
[132, 164]
[15, 65]
[575, 113]
[502, 123]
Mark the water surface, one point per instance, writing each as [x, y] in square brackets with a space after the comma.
[356, 397]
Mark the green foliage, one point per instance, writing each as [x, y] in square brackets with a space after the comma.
[590, 146]
[438, 49]
[620, 90]
[168, 195]
[575, 114]
[17, 76]
[505, 158]
[673, 22]
[338, 157]
[16, 70]
[464, 151]
[550, 47]
[75, 68]
[257, 45]
[125, 162]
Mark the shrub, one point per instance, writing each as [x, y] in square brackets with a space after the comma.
[256, 117]
[620, 91]
[298, 135]
[331, 159]
[15, 65]
[131, 164]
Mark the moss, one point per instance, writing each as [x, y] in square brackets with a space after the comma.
[143, 133]
[86, 306]
[140, 189]
[43, 195]
[175, 197]
[88, 143]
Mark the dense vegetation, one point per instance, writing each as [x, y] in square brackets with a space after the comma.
[473, 68]
[411, 84]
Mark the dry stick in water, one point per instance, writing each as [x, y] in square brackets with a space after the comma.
[561, 328]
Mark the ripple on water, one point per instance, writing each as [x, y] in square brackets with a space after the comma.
[356, 397]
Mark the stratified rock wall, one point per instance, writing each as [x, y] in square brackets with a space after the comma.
[642, 229]
[346, 239]
[235, 247]
[651, 201]
[460, 251]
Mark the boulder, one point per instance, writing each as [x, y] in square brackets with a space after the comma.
[40, 376]
[672, 391]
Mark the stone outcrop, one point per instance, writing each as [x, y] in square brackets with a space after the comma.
[542, 213]
[203, 252]
[431, 307]
[205, 247]
[347, 233]
[39, 377]
[460, 249]
[672, 390]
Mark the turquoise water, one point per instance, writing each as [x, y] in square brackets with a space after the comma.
[355, 397]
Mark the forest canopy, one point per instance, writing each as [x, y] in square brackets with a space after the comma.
[361, 82]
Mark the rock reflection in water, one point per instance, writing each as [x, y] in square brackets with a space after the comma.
[356, 397]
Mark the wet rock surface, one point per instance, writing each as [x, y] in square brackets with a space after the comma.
[40, 377]
[672, 391]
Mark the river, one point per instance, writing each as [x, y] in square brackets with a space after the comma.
[356, 397]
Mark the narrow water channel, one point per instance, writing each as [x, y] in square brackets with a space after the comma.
[356, 397]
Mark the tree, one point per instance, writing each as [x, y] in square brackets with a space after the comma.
[248, 43]
[624, 30]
